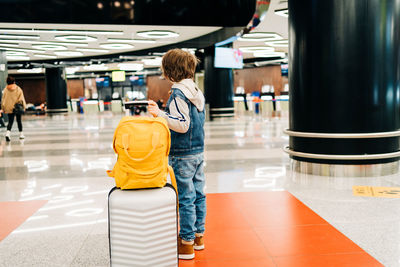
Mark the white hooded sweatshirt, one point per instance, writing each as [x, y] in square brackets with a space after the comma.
[178, 117]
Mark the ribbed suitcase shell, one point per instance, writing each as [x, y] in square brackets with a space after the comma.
[142, 227]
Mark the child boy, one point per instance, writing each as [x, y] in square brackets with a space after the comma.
[185, 116]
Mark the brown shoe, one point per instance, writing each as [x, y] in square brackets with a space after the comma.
[199, 242]
[185, 249]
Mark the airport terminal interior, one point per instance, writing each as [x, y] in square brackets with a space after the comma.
[293, 178]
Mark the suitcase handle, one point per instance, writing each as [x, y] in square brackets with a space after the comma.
[154, 143]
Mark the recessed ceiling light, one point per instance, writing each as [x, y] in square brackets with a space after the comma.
[274, 54]
[157, 34]
[142, 41]
[68, 53]
[41, 42]
[96, 67]
[251, 49]
[260, 37]
[44, 56]
[62, 31]
[93, 50]
[14, 36]
[130, 66]
[116, 46]
[281, 43]
[34, 70]
[15, 53]
[50, 47]
[75, 38]
[282, 12]
[17, 58]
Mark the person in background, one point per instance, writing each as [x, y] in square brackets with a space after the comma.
[2, 125]
[12, 95]
[185, 116]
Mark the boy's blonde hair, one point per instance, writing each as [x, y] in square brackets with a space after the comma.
[178, 65]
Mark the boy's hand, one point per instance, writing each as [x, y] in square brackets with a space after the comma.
[153, 108]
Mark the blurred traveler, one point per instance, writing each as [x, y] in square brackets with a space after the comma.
[13, 104]
[2, 125]
[185, 116]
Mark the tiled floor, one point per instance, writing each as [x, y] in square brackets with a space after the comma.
[296, 236]
[294, 220]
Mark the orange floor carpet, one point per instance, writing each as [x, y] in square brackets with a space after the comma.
[272, 229]
[13, 214]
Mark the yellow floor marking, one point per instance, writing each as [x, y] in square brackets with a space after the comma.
[376, 191]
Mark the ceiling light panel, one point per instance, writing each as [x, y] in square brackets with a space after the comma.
[41, 42]
[87, 32]
[153, 62]
[34, 70]
[157, 34]
[282, 12]
[68, 53]
[50, 47]
[96, 67]
[15, 36]
[266, 55]
[130, 66]
[139, 41]
[260, 37]
[92, 50]
[75, 38]
[15, 53]
[18, 58]
[9, 45]
[21, 49]
[71, 70]
[252, 49]
[116, 46]
[280, 43]
[44, 56]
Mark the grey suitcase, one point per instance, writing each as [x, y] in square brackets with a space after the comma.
[143, 227]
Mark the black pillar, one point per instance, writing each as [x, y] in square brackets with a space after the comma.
[344, 81]
[56, 90]
[218, 87]
[3, 70]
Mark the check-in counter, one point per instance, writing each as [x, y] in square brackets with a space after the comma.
[267, 106]
[101, 106]
[74, 105]
[239, 106]
[282, 104]
[116, 106]
[91, 107]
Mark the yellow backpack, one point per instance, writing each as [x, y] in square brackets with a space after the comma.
[142, 145]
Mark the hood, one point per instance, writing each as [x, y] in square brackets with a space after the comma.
[12, 87]
[192, 92]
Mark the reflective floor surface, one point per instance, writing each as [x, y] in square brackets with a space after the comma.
[59, 171]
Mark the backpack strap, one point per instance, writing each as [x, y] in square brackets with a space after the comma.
[154, 143]
[173, 182]
[173, 179]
